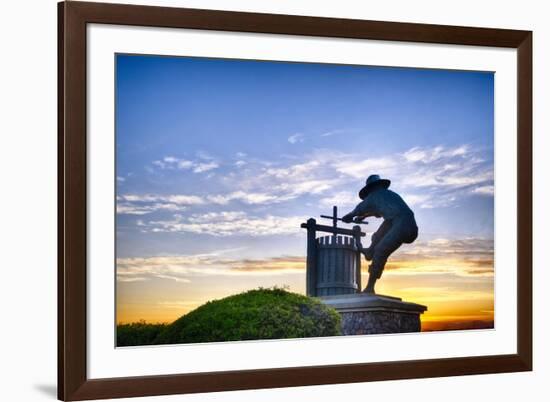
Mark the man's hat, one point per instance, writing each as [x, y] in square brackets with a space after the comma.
[373, 181]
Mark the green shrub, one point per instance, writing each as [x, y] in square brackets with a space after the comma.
[256, 314]
[137, 333]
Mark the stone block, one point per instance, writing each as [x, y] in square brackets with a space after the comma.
[364, 314]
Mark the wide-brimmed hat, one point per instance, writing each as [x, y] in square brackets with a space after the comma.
[373, 181]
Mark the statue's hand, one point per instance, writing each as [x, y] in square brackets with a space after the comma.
[348, 218]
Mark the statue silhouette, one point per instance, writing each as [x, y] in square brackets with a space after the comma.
[399, 225]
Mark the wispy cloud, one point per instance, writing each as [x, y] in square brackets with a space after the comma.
[348, 199]
[247, 198]
[142, 204]
[228, 223]
[285, 264]
[181, 199]
[279, 183]
[343, 199]
[183, 268]
[267, 185]
[130, 278]
[429, 155]
[333, 132]
[438, 266]
[205, 167]
[469, 247]
[295, 138]
[429, 177]
[463, 258]
[360, 168]
[174, 163]
[123, 208]
[132, 204]
[484, 190]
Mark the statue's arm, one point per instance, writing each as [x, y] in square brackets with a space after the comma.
[363, 209]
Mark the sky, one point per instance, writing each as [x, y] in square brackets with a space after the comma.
[219, 161]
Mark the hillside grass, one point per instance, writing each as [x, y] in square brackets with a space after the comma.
[256, 314]
[138, 333]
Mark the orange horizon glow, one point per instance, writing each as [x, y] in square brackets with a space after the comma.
[458, 293]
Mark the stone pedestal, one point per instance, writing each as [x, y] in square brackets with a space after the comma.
[364, 314]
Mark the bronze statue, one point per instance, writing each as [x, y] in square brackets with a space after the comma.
[399, 225]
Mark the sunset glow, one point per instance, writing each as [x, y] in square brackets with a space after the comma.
[459, 293]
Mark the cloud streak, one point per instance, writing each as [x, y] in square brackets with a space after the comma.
[228, 223]
[333, 132]
[133, 204]
[295, 138]
[431, 176]
[463, 258]
[426, 177]
[183, 268]
[173, 163]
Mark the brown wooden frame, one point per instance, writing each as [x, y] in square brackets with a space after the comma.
[73, 383]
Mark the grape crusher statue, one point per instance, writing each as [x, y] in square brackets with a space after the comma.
[333, 263]
[398, 227]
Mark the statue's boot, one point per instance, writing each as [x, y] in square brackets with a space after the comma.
[370, 284]
[375, 272]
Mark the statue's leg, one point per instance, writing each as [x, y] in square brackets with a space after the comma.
[387, 245]
[381, 232]
[376, 237]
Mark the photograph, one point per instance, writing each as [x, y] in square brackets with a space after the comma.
[269, 200]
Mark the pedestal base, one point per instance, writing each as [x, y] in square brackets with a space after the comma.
[364, 313]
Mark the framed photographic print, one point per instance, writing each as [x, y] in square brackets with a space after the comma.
[252, 200]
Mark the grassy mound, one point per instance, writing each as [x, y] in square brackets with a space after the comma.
[138, 333]
[256, 314]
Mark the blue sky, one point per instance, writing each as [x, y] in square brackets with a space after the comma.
[224, 158]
